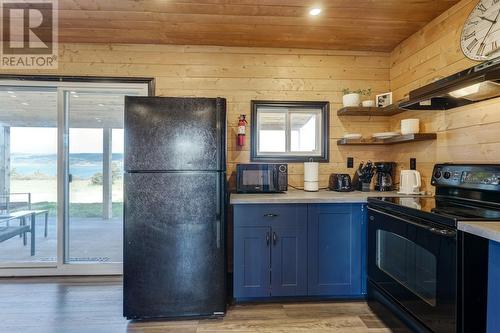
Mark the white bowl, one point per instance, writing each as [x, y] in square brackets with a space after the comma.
[385, 135]
[353, 136]
[410, 126]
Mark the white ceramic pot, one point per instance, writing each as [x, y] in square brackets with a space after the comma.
[351, 100]
[410, 126]
[368, 103]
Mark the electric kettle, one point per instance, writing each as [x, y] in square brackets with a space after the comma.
[410, 182]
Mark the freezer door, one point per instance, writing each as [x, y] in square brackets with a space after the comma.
[174, 262]
[166, 133]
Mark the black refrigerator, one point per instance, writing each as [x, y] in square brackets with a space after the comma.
[175, 204]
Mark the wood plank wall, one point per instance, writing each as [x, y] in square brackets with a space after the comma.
[242, 74]
[469, 134]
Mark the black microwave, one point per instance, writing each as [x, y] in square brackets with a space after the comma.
[261, 178]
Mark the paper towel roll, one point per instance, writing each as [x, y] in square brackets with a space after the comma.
[311, 178]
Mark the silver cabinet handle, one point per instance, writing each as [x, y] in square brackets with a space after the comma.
[267, 238]
[275, 238]
[271, 215]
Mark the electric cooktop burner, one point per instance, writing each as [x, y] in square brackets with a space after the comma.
[442, 210]
[464, 192]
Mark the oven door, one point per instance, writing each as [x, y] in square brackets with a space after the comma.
[257, 178]
[415, 264]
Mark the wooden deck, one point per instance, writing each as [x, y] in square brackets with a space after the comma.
[76, 305]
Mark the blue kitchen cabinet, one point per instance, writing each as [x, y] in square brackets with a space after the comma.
[494, 288]
[336, 243]
[270, 250]
[289, 260]
[252, 261]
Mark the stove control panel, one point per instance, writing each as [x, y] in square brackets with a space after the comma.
[480, 177]
[467, 176]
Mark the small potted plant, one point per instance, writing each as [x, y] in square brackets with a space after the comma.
[367, 102]
[351, 97]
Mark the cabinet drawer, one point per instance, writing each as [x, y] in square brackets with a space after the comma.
[269, 215]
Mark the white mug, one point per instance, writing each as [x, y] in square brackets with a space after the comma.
[410, 126]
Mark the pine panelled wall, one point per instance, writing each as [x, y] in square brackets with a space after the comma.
[468, 134]
[242, 74]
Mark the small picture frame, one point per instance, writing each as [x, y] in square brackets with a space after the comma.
[383, 100]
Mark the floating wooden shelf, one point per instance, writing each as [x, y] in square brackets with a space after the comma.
[360, 111]
[391, 141]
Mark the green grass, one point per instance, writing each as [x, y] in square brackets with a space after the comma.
[86, 210]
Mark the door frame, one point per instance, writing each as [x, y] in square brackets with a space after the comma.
[63, 86]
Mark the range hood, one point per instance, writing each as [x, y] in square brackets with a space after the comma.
[468, 86]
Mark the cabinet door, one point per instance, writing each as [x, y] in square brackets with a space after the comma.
[335, 239]
[289, 260]
[252, 253]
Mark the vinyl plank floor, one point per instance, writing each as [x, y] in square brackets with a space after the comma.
[80, 305]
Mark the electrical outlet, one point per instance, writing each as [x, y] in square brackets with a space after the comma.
[350, 162]
[413, 163]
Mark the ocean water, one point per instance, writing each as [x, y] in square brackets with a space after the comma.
[81, 166]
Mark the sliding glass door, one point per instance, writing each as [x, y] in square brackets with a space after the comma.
[61, 166]
[28, 175]
[95, 154]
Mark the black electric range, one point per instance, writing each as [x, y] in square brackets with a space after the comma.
[441, 209]
[419, 263]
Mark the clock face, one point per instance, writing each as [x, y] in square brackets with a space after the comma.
[481, 32]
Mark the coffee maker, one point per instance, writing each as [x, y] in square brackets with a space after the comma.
[384, 180]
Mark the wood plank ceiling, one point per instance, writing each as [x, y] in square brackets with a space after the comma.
[365, 25]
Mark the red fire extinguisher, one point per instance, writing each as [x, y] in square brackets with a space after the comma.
[241, 130]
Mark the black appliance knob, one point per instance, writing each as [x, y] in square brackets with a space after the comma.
[447, 175]
[437, 174]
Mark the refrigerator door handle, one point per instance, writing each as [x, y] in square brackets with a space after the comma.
[217, 226]
[220, 197]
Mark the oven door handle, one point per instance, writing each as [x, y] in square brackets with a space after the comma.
[436, 231]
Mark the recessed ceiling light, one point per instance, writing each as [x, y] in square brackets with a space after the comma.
[72, 92]
[10, 92]
[24, 103]
[76, 96]
[315, 11]
[14, 96]
[100, 104]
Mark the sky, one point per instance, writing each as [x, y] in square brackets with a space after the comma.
[43, 140]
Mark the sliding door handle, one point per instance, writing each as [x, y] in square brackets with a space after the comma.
[267, 238]
[275, 238]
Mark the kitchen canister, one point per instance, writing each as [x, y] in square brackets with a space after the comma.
[410, 126]
[311, 176]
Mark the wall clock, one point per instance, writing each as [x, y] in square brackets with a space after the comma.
[480, 38]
